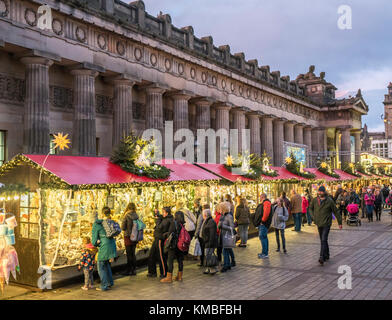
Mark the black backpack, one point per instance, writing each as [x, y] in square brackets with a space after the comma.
[257, 216]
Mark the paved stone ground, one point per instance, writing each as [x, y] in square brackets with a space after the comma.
[295, 276]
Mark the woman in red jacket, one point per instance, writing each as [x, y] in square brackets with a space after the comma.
[219, 249]
[305, 205]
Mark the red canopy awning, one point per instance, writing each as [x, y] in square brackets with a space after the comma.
[344, 175]
[76, 170]
[320, 175]
[283, 174]
[220, 170]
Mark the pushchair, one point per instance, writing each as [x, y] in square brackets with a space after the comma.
[353, 215]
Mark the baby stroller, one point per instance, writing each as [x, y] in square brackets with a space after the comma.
[353, 215]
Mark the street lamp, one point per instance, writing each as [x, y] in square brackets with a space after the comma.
[388, 122]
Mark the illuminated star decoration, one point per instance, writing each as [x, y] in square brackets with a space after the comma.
[324, 165]
[61, 141]
[229, 160]
[288, 160]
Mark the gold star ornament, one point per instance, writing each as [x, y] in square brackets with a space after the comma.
[324, 165]
[288, 160]
[61, 141]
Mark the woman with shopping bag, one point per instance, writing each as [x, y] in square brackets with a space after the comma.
[209, 235]
[228, 238]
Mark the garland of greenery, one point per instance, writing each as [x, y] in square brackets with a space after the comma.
[346, 168]
[13, 189]
[255, 164]
[361, 169]
[323, 167]
[384, 172]
[131, 156]
[293, 166]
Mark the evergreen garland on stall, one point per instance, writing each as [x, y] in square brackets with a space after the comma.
[294, 166]
[349, 168]
[133, 156]
[324, 167]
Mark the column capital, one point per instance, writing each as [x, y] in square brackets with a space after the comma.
[86, 72]
[300, 125]
[308, 127]
[155, 88]
[254, 114]
[268, 116]
[180, 95]
[319, 128]
[202, 101]
[87, 66]
[123, 78]
[36, 60]
[1, 43]
[240, 109]
[38, 54]
[223, 105]
[344, 128]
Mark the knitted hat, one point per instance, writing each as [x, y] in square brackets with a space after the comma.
[322, 189]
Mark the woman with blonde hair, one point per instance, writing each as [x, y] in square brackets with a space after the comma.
[129, 218]
[226, 226]
[242, 217]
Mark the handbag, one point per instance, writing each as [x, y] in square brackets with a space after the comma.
[194, 248]
[229, 239]
[169, 243]
[212, 260]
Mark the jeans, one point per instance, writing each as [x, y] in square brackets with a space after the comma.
[378, 210]
[175, 254]
[308, 217]
[131, 258]
[324, 250]
[105, 274]
[369, 210]
[243, 231]
[281, 231]
[228, 254]
[263, 236]
[88, 277]
[297, 221]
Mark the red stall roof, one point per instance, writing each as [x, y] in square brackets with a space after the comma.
[320, 175]
[76, 170]
[283, 174]
[344, 175]
[220, 170]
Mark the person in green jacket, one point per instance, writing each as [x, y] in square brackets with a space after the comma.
[321, 209]
[106, 251]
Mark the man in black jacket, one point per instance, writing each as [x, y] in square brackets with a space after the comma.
[154, 250]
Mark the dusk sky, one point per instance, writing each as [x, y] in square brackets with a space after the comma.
[289, 36]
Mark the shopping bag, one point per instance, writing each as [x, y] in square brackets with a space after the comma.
[229, 239]
[194, 248]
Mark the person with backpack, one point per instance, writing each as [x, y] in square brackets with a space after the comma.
[286, 201]
[262, 219]
[106, 244]
[279, 218]
[210, 238]
[162, 233]
[190, 218]
[130, 226]
[200, 221]
[176, 250]
[226, 226]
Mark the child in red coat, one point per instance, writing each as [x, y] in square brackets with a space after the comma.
[305, 205]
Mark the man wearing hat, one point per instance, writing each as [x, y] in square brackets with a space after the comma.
[321, 209]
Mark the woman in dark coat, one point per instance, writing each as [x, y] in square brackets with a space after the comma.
[174, 253]
[242, 216]
[129, 218]
[209, 235]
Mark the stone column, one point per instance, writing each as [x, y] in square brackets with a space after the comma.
[222, 122]
[239, 124]
[357, 137]
[122, 104]
[278, 141]
[254, 126]
[345, 146]
[84, 127]
[289, 131]
[299, 134]
[319, 142]
[180, 110]
[36, 111]
[203, 113]
[154, 108]
[308, 143]
[267, 142]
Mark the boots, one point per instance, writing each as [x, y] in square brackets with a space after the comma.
[178, 277]
[168, 278]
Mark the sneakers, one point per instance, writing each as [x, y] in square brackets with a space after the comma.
[284, 251]
[233, 264]
[262, 256]
[84, 288]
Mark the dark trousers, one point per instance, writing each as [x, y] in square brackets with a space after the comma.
[131, 258]
[157, 254]
[219, 253]
[343, 212]
[369, 210]
[324, 251]
[179, 256]
[378, 210]
[281, 231]
[202, 247]
[297, 221]
[363, 209]
[228, 254]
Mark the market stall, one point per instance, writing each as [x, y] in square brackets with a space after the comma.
[57, 212]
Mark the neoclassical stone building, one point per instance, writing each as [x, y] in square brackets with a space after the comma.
[106, 66]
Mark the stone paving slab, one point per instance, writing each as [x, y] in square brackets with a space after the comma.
[293, 276]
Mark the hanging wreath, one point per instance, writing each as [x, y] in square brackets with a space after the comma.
[296, 167]
[134, 155]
